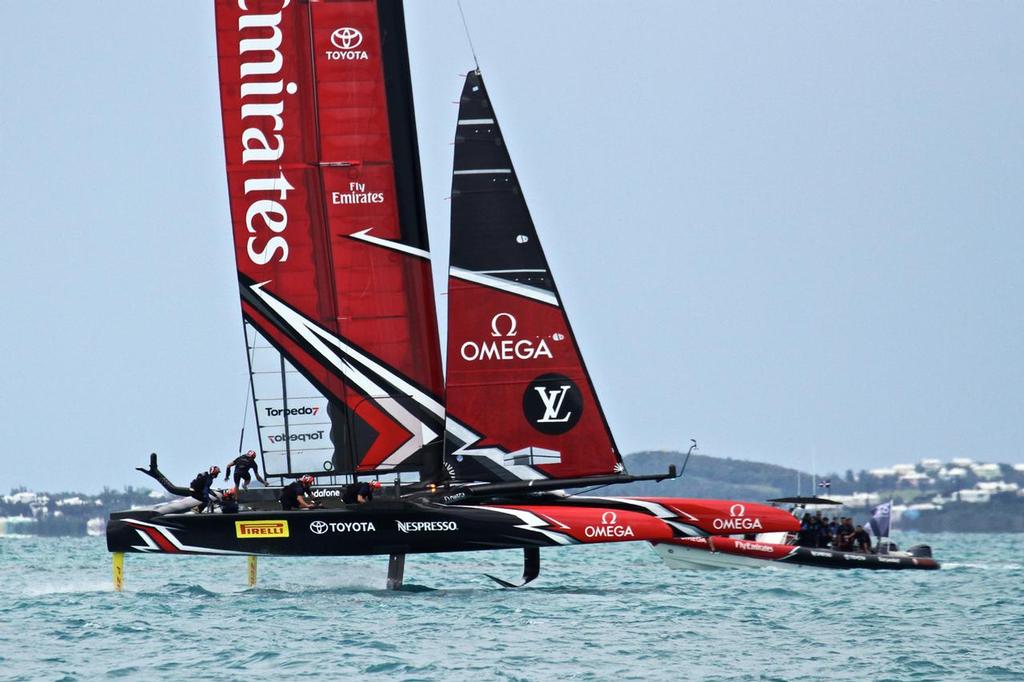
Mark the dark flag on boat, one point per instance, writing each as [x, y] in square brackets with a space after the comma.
[826, 483]
[880, 519]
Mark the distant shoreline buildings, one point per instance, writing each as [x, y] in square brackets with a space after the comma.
[936, 495]
[988, 480]
[24, 512]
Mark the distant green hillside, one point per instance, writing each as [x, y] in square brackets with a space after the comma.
[736, 479]
[741, 479]
[718, 477]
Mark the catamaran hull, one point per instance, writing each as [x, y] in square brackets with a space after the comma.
[407, 527]
[379, 528]
[716, 553]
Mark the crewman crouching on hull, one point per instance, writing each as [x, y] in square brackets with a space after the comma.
[229, 501]
[297, 494]
[201, 486]
[360, 493]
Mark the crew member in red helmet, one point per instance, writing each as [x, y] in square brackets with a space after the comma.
[298, 494]
[360, 493]
[201, 485]
[229, 501]
[243, 464]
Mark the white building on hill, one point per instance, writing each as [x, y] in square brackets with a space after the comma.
[997, 486]
[987, 471]
[916, 479]
[973, 496]
[857, 499]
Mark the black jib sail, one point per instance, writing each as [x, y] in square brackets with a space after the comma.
[520, 403]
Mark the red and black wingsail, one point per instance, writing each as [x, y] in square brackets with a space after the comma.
[330, 234]
[520, 402]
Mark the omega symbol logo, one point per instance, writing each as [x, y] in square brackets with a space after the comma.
[497, 326]
[347, 38]
[553, 404]
[318, 527]
[609, 518]
[737, 510]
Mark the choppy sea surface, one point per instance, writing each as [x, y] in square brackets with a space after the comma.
[595, 613]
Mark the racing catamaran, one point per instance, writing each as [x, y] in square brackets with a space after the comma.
[341, 333]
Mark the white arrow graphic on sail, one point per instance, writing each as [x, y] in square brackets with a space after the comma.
[466, 438]
[364, 235]
[319, 339]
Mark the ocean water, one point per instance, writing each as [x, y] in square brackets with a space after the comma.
[595, 613]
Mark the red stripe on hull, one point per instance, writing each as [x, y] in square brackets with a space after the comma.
[729, 517]
[594, 524]
[158, 537]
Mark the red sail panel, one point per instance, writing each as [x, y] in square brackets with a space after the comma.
[515, 379]
[384, 293]
[520, 402]
[327, 215]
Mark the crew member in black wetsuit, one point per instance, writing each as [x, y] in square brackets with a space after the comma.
[200, 487]
[229, 501]
[358, 493]
[293, 495]
[242, 465]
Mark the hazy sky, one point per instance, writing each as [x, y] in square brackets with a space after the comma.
[782, 229]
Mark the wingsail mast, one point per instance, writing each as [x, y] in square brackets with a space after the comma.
[330, 236]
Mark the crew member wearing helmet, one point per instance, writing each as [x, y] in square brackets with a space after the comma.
[242, 465]
[229, 501]
[359, 493]
[200, 487]
[295, 494]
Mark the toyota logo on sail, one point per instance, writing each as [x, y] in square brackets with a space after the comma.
[347, 38]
